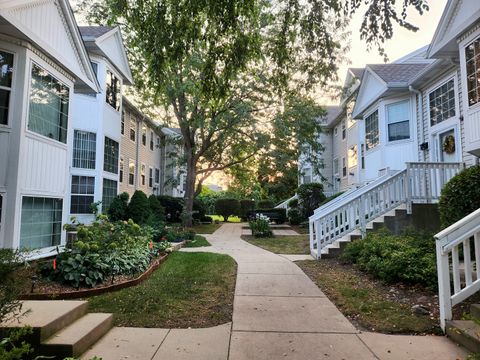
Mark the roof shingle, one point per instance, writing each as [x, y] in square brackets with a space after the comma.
[397, 73]
[94, 31]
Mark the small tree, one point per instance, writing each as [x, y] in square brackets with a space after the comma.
[173, 207]
[118, 209]
[310, 196]
[227, 208]
[139, 208]
[156, 209]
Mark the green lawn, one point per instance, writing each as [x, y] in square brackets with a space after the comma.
[188, 290]
[198, 242]
[367, 302]
[232, 219]
[298, 244]
[205, 228]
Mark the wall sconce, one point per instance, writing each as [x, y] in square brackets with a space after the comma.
[424, 146]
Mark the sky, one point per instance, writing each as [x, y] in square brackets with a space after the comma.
[403, 41]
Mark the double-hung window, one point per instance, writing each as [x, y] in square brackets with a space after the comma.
[122, 164]
[344, 130]
[371, 130]
[144, 136]
[151, 140]
[48, 113]
[442, 103]
[112, 92]
[122, 125]
[398, 121]
[6, 72]
[132, 132]
[150, 177]
[131, 172]
[142, 173]
[84, 149]
[352, 156]
[110, 162]
[336, 170]
[83, 189]
[109, 193]
[157, 176]
[344, 167]
[472, 59]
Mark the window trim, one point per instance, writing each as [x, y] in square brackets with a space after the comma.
[387, 128]
[344, 130]
[121, 169]
[376, 109]
[116, 159]
[118, 107]
[81, 194]
[143, 174]
[150, 177]
[334, 171]
[130, 162]
[134, 129]
[11, 89]
[463, 70]
[444, 80]
[73, 150]
[344, 167]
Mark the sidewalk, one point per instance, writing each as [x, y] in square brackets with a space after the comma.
[279, 313]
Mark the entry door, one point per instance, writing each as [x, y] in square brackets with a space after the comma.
[448, 147]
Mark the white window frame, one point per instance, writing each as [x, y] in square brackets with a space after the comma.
[344, 167]
[336, 171]
[11, 89]
[143, 176]
[411, 116]
[344, 130]
[376, 147]
[448, 122]
[130, 162]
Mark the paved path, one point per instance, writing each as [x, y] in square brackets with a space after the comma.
[279, 313]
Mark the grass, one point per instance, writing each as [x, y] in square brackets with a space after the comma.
[188, 290]
[232, 219]
[367, 302]
[300, 229]
[205, 228]
[298, 244]
[198, 242]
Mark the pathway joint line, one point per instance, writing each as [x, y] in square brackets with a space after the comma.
[368, 347]
[160, 345]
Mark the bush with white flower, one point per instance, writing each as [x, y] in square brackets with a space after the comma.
[260, 226]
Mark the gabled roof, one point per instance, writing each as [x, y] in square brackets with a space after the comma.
[397, 74]
[107, 42]
[418, 56]
[357, 72]
[140, 115]
[172, 131]
[332, 113]
[457, 18]
[56, 35]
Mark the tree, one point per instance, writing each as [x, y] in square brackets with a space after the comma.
[139, 207]
[310, 197]
[118, 209]
[224, 69]
[157, 211]
[227, 208]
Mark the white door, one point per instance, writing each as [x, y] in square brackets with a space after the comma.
[447, 146]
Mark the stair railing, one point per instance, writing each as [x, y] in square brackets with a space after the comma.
[455, 246]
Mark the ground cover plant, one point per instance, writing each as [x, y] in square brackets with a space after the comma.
[299, 244]
[408, 258]
[188, 290]
[371, 304]
[231, 219]
[198, 241]
[260, 226]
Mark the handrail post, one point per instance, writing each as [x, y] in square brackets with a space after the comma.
[408, 189]
[310, 231]
[444, 291]
[362, 221]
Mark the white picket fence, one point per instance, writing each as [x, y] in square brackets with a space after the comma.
[418, 183]
[455, 247]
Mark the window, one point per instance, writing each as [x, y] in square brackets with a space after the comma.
[151, 140]
[142, 173]
[120, 177]
[352, 156]
[41, 223]
[133, 135]
[122, 125]
[48, 106]
[84, 149]
[144, 136]
[307, 177]
[442, 103]
[344, 167]
[83, 189]
[109, 193]
[344, 130]
[472, 59]
[110, 158]
[371, 130]
[95, 71]
[335, 131]
[157, 176]
[150, 177]
[362, 153]
[113, 97]
[398, 121]
[6, 72]
[158, 141]
[336, 169]
[131, 173]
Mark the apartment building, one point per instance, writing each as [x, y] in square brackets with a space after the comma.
[42, 66]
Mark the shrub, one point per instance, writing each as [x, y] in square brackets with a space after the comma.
[10, 284]
[173, 207]
[118, 209]
[460, 196]
[139, 208]
[227, 208]
[293, 203]
[408, 258]
[199, 210]
[330, 198]
[260, 226]
[310, 197]
[265, 204]
[295, 216]
[156, 210]
[277, 215]
[246, 207]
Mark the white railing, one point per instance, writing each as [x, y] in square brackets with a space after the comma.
[284, 204]
[455, 247]
[418, 183]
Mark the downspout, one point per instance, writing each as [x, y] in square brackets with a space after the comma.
[422, 129]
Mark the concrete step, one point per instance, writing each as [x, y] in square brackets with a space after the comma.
[76, 338]
[475, 311]
[465, 333]
[48, 317]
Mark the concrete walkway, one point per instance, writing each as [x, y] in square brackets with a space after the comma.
[279, 313]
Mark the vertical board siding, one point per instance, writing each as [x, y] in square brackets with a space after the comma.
[4, 152]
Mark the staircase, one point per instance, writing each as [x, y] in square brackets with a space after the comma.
[466, 332]
[62, 328]
[362, 209]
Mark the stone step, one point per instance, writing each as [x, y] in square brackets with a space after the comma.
[47, 317]
[76, 338]
[465, 333]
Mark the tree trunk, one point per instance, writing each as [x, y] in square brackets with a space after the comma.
[190, 187]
